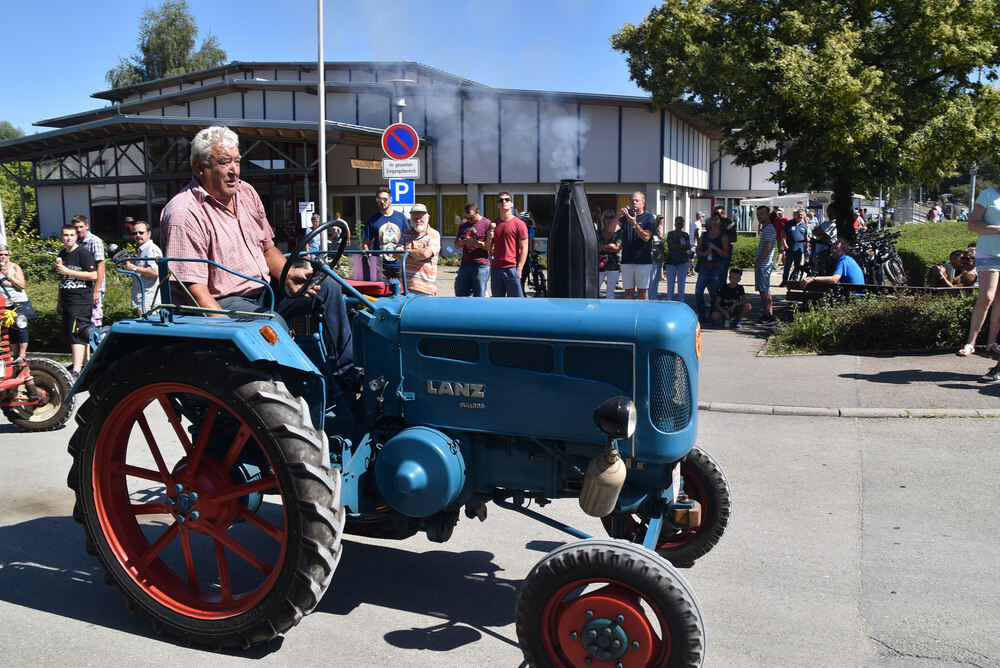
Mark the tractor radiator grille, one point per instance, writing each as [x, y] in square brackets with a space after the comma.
[670, 392]
[518, 355]
[608, 365]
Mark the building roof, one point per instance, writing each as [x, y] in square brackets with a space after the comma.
[121, 127]
[404, 66]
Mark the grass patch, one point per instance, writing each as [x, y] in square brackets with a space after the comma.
[906, 322]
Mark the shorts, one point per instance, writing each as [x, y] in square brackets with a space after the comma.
[76, 322]
[990, 263]
[636, 275]
[762, 278]
[18, 334]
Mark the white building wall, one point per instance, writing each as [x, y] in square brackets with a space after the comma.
[253, 104]
[339, 107]
[600, 143]
[640, 145]
[444, 124]
[278, 105]
[203, 108]
[559, 142]
[50, 210]
[374, 110]
[229, 106]
[482, 141]
[519, 140]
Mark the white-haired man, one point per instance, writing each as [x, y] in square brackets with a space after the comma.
[219, 217]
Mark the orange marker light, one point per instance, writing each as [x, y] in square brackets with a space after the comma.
[269, 334]
[697, 341]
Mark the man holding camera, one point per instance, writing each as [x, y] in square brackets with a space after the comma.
[638, 227]
[77, 271]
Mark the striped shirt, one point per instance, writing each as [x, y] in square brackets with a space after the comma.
[196, 225]
[421, 275]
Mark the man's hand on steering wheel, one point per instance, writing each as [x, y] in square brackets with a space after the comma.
[299, 282]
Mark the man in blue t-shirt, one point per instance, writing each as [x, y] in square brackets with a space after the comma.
[383, 230]
[847, 270]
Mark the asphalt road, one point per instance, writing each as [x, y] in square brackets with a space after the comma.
[852, 543]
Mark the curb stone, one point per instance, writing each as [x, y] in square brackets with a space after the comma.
[850, 412]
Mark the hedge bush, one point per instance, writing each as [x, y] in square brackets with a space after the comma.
[922, 245]
[906, 322]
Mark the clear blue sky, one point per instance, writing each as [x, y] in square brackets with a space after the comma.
[56, 52]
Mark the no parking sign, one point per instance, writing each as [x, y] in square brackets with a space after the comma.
[400, 141]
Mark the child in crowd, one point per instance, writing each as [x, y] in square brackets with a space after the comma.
[731, 303]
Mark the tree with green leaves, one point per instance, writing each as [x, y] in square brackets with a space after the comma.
[846, 95]
[8, 131]
[166, 47]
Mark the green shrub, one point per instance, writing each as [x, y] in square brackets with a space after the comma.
[922, 245]
[903, 322]
[744, 251]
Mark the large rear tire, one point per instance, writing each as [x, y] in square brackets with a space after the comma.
[602, 602]
[206, 494]
[706, 483]
[54, 383]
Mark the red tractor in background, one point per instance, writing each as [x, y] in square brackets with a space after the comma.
[34, 392]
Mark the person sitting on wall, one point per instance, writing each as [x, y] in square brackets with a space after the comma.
[847, 270]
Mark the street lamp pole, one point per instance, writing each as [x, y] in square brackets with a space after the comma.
[321, 94]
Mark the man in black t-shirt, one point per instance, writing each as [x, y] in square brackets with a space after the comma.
[729, 227]
[77, 271]
[731, 302]
[638, 227]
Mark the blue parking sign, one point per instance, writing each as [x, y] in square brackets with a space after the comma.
[403, 191]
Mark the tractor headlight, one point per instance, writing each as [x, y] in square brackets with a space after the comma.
[617, 417]
[21, 321]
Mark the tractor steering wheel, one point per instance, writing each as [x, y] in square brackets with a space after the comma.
[316, 261]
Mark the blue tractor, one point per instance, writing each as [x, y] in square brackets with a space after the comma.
[216, 468]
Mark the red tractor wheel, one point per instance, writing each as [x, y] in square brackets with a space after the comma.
[706, 483]
[604, 602]
[53, 383]
[207, 496]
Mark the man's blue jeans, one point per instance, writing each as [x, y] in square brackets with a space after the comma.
[505, 282]
[327, 306]
[472, 279]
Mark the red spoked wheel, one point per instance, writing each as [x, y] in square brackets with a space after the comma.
[207, 497]
[604, 602]
[704, 482]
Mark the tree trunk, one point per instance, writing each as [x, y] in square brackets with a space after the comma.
[843, 202]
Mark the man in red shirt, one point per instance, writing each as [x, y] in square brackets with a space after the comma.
[508, 241]
[219, 217]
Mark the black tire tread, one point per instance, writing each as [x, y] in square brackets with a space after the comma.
[59, 372]
[626, 562]
[316, 490]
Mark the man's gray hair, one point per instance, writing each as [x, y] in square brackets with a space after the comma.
[209, 138]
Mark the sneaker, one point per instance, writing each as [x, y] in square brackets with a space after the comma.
[737, 324]
[768, 321]
[75, 373]
[991, 377]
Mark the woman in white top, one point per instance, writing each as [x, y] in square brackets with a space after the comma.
[985, 222]
[12, 290]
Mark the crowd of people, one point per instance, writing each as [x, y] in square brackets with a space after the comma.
[633, 249]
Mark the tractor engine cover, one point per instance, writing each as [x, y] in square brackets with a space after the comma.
[420, 471]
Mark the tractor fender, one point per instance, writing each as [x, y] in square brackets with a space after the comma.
[257, 340]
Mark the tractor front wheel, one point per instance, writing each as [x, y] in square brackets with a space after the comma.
[206, 494]
[704, 482]
[602, 602]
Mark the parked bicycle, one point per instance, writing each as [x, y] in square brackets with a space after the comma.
[534, 272]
